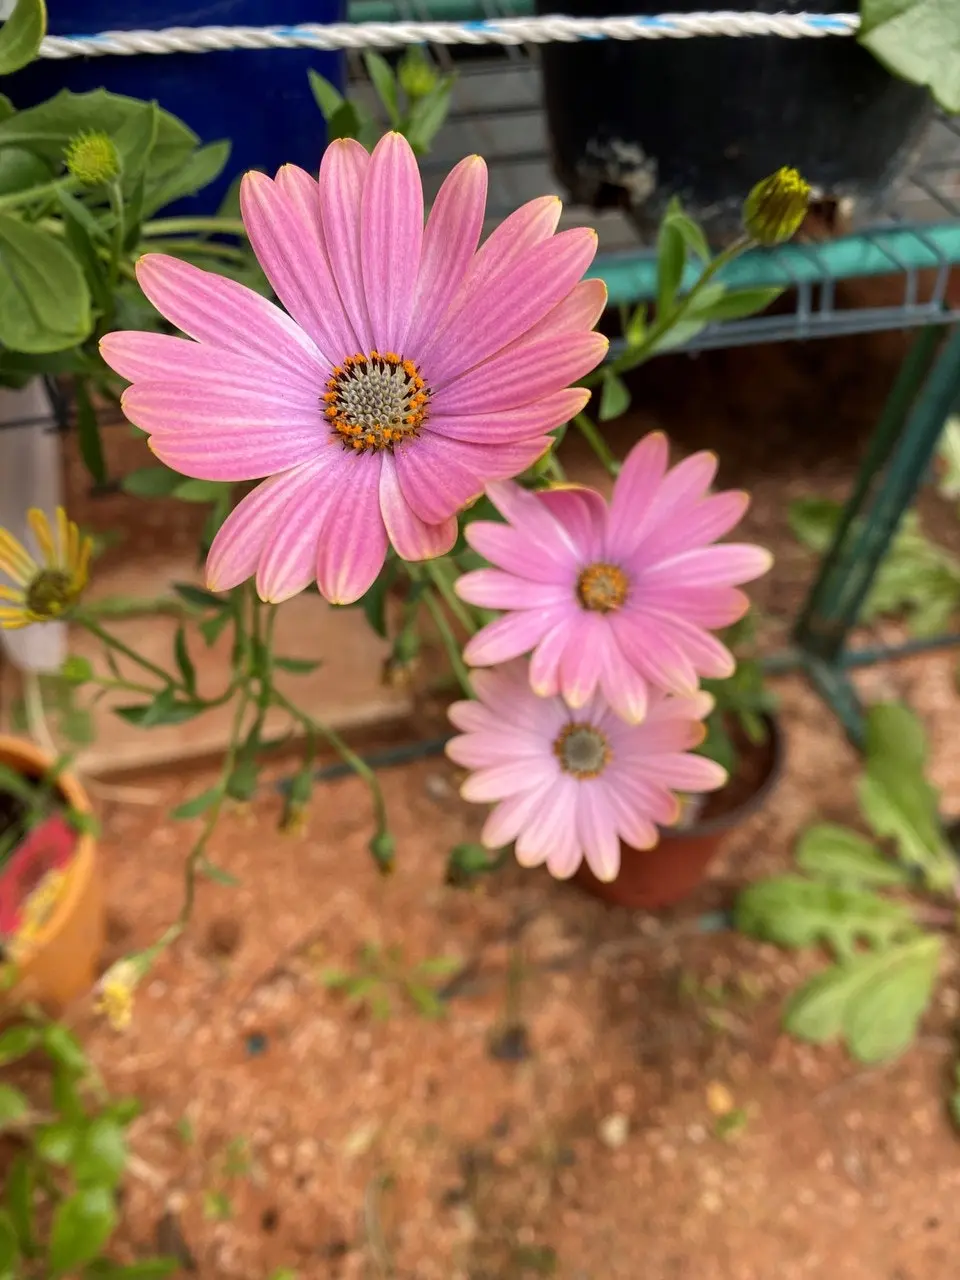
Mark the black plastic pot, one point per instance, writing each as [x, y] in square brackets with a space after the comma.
[633, 123]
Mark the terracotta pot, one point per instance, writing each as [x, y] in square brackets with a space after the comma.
[62, 962]
[655, 878]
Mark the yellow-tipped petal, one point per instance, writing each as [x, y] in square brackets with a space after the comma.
[82, 571]
[15, 561]
[13, 619]
[40, 525]
[63, 538]
[12, 593]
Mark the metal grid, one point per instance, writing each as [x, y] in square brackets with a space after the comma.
[497, 111]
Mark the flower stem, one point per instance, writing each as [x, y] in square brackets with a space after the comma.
[180, 226]
[449, 641]
[436, 571]
[17, 198]
[119, 231]
[597, 443]
[84, 619]
[212, 248]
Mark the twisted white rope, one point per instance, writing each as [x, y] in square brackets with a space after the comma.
[505, 31]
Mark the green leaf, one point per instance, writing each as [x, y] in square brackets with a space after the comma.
[636, 327]
[328, 98]
[440, 966]
[217, 874]
[147, 1269]
[82, 1225]
[166, 708]
[135, 139]
[9, 1248]
[100, 1154]
[428, 116]
[44, 297]
[426, 1000]
[198, 490]
[184, 662]
[19, 1199]
[875, 1001]
[691, 231]
[244, 779]
[200, 597]
[733, 305]
[384, 82]
[211, 628]
[794, 912]
[64, 1048]
[88, 433]
[837, 853]
[615, 397]
[374, 603]
[21, 34]
[671, 259]
[203, 167]
[16, 1042]
[300, 666]
[57, 1142]
[13, 1105]
[151, 482]
[814, 522]
[679, 332]
[918, 40]
[66, 1096]
[346, 122]
[194, 807]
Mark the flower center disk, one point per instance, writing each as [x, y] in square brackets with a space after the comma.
[375, 401]
[602, 588]
[582, 750]
[50, 593]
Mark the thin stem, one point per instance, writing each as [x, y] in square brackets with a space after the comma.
[119, 230]
[554, 468]
[178, 226]
[212, 248]
[128, 686]
[84, 619]
[436, 572]
[597, 443]
[17, 198]
[315, 729]
[449, 641]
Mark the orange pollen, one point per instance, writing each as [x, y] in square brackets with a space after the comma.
[582, 750]
[602, 588]
[375, 401]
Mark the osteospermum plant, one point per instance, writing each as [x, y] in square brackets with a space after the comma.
[410, 384]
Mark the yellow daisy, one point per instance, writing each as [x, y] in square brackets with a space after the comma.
[46, 588]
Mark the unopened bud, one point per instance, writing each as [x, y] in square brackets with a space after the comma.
[776, 207]
[92, 159]
[416, 74]
[383, 848]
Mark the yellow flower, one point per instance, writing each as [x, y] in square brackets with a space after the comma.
[115, 993]
[47, 588]
[775, 208]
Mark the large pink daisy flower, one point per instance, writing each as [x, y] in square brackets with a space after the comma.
[621, 597]
[571, 784]
[411, 368]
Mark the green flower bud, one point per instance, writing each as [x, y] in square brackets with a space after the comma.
[92, 159]
[775, 208]
[383, 847]
[416, 74]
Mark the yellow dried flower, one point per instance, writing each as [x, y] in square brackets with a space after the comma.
[92, 158]
[47, 588]
[776, 207]
[115, 993]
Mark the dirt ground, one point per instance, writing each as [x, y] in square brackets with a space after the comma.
[559, 1118]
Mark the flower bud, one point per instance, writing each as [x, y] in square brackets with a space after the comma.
[775, 208]
[416, 74]
[92, 159]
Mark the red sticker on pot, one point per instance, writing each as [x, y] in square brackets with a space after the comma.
[48, 847]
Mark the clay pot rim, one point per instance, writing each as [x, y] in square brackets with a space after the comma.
[726, 821]
[27, 758]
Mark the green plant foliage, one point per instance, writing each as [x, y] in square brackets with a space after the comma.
[918, 40]
[21, 34]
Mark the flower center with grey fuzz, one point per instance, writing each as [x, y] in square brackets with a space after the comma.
[375, 401]
[582, 750]
[602, 588]
[50, 593]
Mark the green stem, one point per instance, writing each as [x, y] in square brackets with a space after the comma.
[185, 226]
[212, 248]
[18, 198]
[119, 230]
[436, 572]
[84, 620]
[597, 443]
[449, 641]
[128, 686]
[317, 729]
[554, 469]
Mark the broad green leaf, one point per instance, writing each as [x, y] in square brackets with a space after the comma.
[679, 333]
[197, 805]
[384, 82]
[100, 1154]
[814, 521]
[20, 170]
[428, 116]
[17, 1041]
[874, 1001]
[203, 167]
[44, 297]
[9, 1248]
[691, 231]
[346, 122]
[64, 1047]
[918, 40]
[198, 490]
[187, 670]
[13, 1106]
[734, 305]
[795, 912]
[837, 853]
[671, 258]
[82, 1225]
[57, 1142]
[614, 398]
[211, 628]
[135, 140]
[66, 1095]
[21, 34]
[151, 482]
[19, 1199]
[328, 98]
[200, 597]
[166, 708]
[894, 732]
[244, 779]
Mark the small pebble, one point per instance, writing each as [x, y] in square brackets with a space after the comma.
[719, 1098]
[614, 1130]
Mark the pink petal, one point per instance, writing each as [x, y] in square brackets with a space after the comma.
[411, 537]
[391, 232]
[158, 357]
[353, 540]
[635, 488]
[582, 512]
[506, 691]
[623, 686]
[500, 780]
[288, 562]
[710, 607]
[534, 521]
[636, 808]
[342, 172]
[216, 435]
[511, 550]
[686, 772]
[283, 222]
[699, 525]
[513, 815]
[241, 539]
[449, 243]
[494, 589]
[494, 314]
[580, 665]
[550, 826]
[545, 661]
[597, 830]
[513, 238]
[472, 717]
[508, 637]
[227, 315]
[481, 750]
[439, 475]
[546, 414]
[710, 658]
[654, 653]
[522, 374]
[580, 309]
[727, 564]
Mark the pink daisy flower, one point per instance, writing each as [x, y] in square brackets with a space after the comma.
[622, 597]
[571, 784]
[408, 369]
